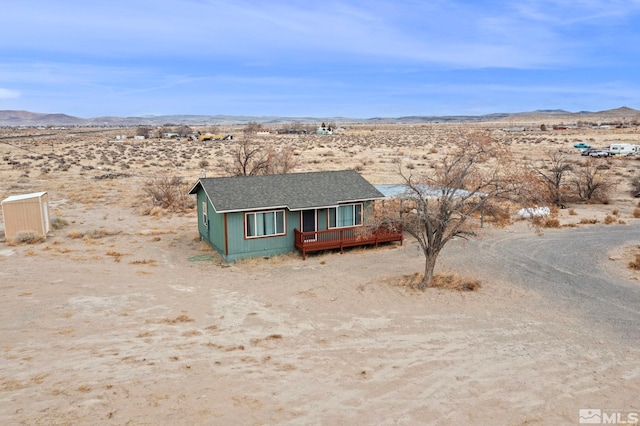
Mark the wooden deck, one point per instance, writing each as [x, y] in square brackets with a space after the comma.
[344, 237]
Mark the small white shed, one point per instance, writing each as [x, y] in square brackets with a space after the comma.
[26, 212]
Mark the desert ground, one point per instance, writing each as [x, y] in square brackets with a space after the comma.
[122, 316]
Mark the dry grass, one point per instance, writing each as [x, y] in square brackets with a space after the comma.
[274, 337]
[635, 264]
[25, 237]
[115, 254]
[545, 222]
[101, 233]
[455, 282]
[58, 223]
[75, 234]
[551, 222]
[179, 319]
[409, 281]
[586, 221]
[609, 219]
[156, 212]
[150, 232]
[150, 262]
[446, 281]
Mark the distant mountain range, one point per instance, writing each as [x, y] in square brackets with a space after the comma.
[26, 118]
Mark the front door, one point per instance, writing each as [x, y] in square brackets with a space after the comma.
[309, 223]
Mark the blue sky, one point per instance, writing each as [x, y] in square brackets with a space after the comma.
[350, 58]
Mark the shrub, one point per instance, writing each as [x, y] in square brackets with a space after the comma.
[609, 219]
[635, 264]
[552, 222]
[57, 223]
[588, 221]
[636, 213]
[101, 233]
[170, 193]
[75, 234]
[26, 237]
[635, 186]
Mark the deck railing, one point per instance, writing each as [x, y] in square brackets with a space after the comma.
[345, 237]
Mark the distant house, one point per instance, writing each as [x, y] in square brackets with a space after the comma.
[251, 216]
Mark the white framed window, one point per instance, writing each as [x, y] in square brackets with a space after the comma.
[205, 214]
[264, 224]
[347, 215]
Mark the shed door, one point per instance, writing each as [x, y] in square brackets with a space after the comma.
[45, 210]
[309, 223]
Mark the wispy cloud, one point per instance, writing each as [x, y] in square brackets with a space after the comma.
[9, 94]
[283, 55]
[460, 34]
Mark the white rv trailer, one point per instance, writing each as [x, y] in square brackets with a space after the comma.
[624, 149]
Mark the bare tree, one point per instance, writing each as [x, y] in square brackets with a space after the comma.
[248, 159]
[184, 131]
[593, 181]
[553, 171]
[143, 131]
[251, 128]
[478, 173]
[280, 161]
[251, 158]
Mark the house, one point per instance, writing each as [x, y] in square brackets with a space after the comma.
[26, 212]
[251, 216]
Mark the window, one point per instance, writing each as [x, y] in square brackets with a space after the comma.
[347, 215]
[264, 224]
[205, 216]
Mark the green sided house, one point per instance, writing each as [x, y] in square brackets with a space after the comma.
[251, 216]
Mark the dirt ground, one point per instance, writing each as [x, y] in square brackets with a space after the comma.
[121, 317]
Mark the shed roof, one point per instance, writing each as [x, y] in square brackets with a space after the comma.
[23, 197]
[404, 191]
[295, 191]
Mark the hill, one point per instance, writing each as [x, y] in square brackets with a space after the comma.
[11, 118]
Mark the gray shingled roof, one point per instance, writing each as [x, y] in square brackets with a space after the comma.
[295, 191]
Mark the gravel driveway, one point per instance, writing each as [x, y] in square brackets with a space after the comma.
[570, 267]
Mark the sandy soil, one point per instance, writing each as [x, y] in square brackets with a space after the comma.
[125, 318]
